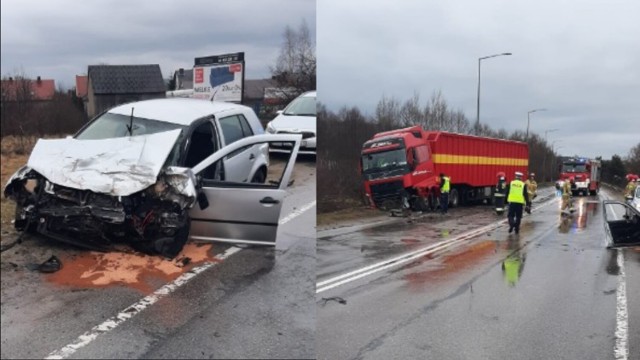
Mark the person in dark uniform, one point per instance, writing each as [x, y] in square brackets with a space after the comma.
[517, 197]
[445, 186]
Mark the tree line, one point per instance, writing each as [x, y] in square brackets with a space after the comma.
[342, 133]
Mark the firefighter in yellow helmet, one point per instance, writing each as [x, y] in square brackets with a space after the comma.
[517, 197]
[532, 186]
[567, 204]
[631, 186]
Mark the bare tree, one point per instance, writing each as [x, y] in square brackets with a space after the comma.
[632, 162]
[295, 68]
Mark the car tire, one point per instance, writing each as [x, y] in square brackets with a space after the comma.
[260, 176]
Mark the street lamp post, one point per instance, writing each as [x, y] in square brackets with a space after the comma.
[555, 158]
[544, 159]
[528, 120]
[478, 99]
[548, 131]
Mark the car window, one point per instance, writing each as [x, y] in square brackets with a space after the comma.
[301, 106]
[109, 125]
[231, 129]
[246, 129]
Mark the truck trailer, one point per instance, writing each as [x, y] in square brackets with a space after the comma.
[401, 168]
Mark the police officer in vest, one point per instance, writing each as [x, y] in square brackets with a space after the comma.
[517, 197]
[445, 186]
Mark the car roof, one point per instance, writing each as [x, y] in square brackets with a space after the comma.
[309, 94]
[182, 111]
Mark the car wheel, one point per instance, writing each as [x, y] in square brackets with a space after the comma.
[260, 176]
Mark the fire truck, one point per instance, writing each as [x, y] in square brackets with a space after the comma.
[585, 173]
[401, 168]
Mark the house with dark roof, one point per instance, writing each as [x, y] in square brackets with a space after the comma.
[183, 79]
[111, 85]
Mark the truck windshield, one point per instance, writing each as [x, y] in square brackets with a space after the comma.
[573, 168]
[385, 160]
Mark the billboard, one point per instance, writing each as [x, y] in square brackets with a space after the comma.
[219, 77]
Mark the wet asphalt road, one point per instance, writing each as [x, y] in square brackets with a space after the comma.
[257, 303]
[550, 292]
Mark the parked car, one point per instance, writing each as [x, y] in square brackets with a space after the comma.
[299, 117]
[622, 223]
[635, 201]
[134, 172]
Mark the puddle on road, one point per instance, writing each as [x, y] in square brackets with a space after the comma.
[450, 264]
[585, 212]
[139, 271]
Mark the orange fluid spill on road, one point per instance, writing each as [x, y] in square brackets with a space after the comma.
[143, 272]
[451, 263]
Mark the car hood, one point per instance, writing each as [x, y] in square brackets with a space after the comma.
[293, 122]
[119, 166]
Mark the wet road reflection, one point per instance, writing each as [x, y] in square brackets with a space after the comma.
[513, 264]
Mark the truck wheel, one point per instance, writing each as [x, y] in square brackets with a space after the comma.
[433, 202]
[420, 204]
[454, 198]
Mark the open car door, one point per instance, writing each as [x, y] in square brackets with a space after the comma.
[241, 212]
[621, 223]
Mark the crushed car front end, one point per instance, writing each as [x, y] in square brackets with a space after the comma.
[96, 199]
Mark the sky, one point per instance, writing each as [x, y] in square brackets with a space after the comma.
[60, 39]
[579, 60]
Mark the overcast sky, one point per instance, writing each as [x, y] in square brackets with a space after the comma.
[59, 39]
[578, 59]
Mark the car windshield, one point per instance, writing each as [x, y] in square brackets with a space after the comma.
[302, 106]
[384, 160]
[110, 125]
[638, 192]
[573, 168]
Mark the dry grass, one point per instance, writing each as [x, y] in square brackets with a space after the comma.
[9, 164]
[22, 145]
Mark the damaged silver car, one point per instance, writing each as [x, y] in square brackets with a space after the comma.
[135, 172]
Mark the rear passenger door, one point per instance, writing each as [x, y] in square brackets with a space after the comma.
[239, 163]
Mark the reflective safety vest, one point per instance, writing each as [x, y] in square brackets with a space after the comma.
[446, 186]
[515, 192]
[566, 188]
[631, 187]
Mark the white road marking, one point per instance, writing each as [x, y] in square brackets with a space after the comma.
[404, 258]
[621, 349]
[131, 311]
[297, 213]
[113, 322]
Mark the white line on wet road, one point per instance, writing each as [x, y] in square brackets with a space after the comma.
[404, 258]
[131, 311]
[621, 349]
[297, 212]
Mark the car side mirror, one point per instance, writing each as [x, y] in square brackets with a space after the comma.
[279, 112]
